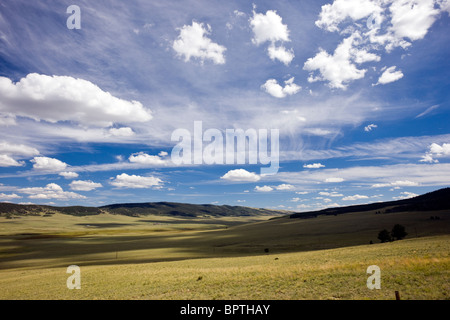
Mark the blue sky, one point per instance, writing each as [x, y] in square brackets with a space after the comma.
[358, 91]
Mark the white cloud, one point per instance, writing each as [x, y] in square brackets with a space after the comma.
[435, 150]
[375, 176]
[428, 158]
[331, 194]
[333, 14]
[69, 175]
[438, 150]
[427, 111]
[241, 175]
[268, 27]
[63, 98]
[9, 196]
[133, 181]
[398, 183]
[8, 150]
[194, 43]
[338, 69]
[390, 75]
[334, 180]
[263, 189]
[355, 197]
[17, 149]
[274, 89]
[302, 192]
[405, 195]
[313, 166]
[370, 127]
[48, 164]
[146, 159]
[50, 191]
[7, 161]
[121, 132]
[281, 53]
[380, 24]
[411, 19]
[284, 187]
[80, 185]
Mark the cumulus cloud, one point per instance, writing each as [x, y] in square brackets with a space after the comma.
[330, 194]
[436, 151]
[332, 15]
[50, 191]
[281, 53]
[355, 197]
[411, 19]
[121, 132]
[268, 27]
[313, 166]
[263, 189]
[147, 159]
[64, 98]
[17, 149]
[9, 196]
[241, 175]
[370, 127]
[274, 89]
[9, 150]
[193, 42]
[69, 175]
[80, 185]
[381, 25]
[390, 75]
[284, 186]
[135, 182]
[48, 164]
[340, 68]
[398, 183]
[405, 195]
[7, 161]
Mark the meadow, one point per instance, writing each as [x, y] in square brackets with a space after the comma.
[155, 257]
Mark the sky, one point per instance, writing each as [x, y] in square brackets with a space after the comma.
[342, 102]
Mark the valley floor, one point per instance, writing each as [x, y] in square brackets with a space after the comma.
[146, 258]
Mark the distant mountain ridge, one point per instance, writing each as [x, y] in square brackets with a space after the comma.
[432, 201]
[185, 210]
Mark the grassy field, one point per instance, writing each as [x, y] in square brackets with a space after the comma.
[417, 268]
[166, 258]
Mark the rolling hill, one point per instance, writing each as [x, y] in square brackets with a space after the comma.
[436, 200]
[432, 201]
[181, 210]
